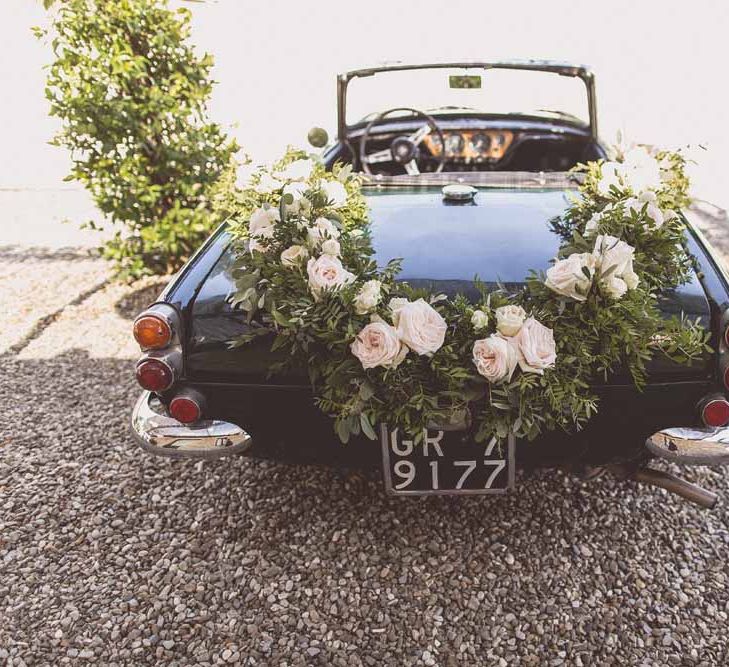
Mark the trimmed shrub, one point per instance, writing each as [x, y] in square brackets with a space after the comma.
[131, 94]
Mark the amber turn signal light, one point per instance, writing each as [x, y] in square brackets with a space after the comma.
[152, 332]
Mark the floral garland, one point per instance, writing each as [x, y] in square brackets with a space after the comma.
[379, 351]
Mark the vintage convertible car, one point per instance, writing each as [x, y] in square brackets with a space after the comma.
[507, 134]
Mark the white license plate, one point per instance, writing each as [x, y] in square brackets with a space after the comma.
[446, 463]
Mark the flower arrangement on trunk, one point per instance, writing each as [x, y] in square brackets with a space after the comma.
[379, 351]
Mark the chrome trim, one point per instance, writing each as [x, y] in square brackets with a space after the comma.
[691, 446]
[159, 434]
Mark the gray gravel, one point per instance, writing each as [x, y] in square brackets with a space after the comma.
[108, 556]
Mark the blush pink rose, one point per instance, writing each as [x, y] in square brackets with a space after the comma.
[327, 273]
[536, 346]
[419, 325]
[378, 345]
[495, 358]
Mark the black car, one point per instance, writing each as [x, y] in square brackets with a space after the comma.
[217, 400]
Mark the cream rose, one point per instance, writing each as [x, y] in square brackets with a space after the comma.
[321, 229]
[495, 358]
[509, 319]
[615, 287]
[567, 277]
[479, 320]
[378, 345]
[368, 297]
[261, 226]
[331, 247]
[421, 327]
[641, 170]
[262, 222]
[536, 346]
[615, 256]
[294, 255]
[327, 273]
[610, 175]
[335, 193]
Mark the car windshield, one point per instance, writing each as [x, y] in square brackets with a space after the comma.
[468, 90]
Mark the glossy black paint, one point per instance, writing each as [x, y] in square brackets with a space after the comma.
[501, 236]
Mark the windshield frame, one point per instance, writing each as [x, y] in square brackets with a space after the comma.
[562, 69]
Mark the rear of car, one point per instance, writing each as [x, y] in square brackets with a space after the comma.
[496, 238]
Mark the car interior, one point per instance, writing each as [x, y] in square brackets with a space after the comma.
[527, 117]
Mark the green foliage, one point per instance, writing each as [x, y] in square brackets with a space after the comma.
[131, 94]
[596, 335]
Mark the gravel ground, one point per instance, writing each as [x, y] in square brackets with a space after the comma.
[108, 556]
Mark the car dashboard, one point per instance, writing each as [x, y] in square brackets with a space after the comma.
[471, 145]
[480, 144]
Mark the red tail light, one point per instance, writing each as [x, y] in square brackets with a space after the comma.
[715, 412]
[154, 374]
[152, 332]
[184, 408]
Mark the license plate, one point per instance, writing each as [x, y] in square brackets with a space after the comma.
[446, 463]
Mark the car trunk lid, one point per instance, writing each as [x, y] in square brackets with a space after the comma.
[497, 238]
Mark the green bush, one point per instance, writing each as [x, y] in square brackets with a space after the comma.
[131, 94]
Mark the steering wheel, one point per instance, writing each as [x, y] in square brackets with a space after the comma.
[403, 150]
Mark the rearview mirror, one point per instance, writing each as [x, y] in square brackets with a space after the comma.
[318, 137]
[464, 81]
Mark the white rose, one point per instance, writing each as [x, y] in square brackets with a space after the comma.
[615, 287]
[396, 306]
[331, 247]
[630, 277]
[421, 327]
[479, 320]
[378, 345]
[327, 273]
[567, 277]
[261, 226]
[610, 175]
[612, 252]
[537, 350]
[262, 222]
[335, 193]
[495, 358]
[267, 184]
[294, 255]
[641, 170]
[296, 190]
[509, 319]
[320, 230]
[368, 297]
[298, 170]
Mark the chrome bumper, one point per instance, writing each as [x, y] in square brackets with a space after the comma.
[691, 446]
[159, 434]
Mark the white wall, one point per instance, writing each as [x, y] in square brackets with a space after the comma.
[660, 67]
